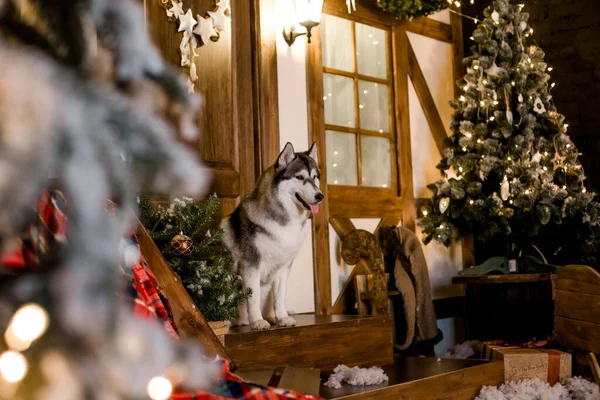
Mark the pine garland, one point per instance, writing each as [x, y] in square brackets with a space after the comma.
[207, 273]
[411, 9]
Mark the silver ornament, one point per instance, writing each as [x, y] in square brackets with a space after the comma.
[444, 204]
[509, 117]
[520, 98]
[505, 189]
[496, 16]
[523, 26]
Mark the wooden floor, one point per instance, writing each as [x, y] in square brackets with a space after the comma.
[423, 378]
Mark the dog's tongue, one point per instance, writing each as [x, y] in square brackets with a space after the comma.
[314, 208]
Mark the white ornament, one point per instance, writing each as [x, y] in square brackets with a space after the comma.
[509, 117]
[496, 16]
[538, 106]
[537, 157]
[494, 70]
[444, 204]
[351, 4]
[184, 48]
[190, 86]
[523, 26]
[193, 74]
[176, 10]
[219, 18]
[224, 4]
[205, 29]
[520, 98]
[505, 189]
[187, 22]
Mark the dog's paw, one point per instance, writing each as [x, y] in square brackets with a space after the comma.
[260, 325]
[287, 321]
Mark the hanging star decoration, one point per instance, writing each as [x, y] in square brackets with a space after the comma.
[351, 4]
[206, 28]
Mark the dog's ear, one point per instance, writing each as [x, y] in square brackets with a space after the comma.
[286, 156]
[312, 152]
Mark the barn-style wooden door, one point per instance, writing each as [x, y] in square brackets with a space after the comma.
[358, 71]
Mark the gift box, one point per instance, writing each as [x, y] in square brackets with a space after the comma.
[522, 363]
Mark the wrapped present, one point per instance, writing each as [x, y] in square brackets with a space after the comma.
[526, 363]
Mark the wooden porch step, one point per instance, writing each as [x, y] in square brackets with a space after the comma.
[425, 379]
[321, 342]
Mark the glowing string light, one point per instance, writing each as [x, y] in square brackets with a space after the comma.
[159, 388]
[28, 324]
[13, 366]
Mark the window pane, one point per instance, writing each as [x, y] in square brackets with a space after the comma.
[341, 158]
[376, 168]
[336, 35]
[374, 107]
[338, 97]
[371, 50]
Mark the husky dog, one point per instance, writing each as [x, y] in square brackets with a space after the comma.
[266, 230]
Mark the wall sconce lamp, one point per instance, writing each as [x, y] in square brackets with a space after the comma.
[308, 14]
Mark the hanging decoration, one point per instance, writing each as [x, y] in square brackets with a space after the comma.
[444, 204]
[207, 29]
[505, 189]
[411, 9]
[351, 4]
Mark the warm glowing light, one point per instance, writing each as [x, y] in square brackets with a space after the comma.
[472, 38]
[564, 187]
[545, 168]
[485, 82]
[527, 192]
[335, 152]
[462, 98]
[13, 366]
[425, 213]
[361, 106]
[478, 140]
[482, 103]
[495, 102]
[334, 165]
[508, 158]
[510, 201]
[566, 126]
[476, 67]
[513, 83]
[28, 324]
[550, 69]
[375, 42]
[442, 226]
[365, 91]
[568, 146]
[517, 146]
[159, 388]
[492, 118]
[335, 182]
[545, 153]
[553, 84]
[469, 135]
[464, 149]
[324, 97]
[471, 202]
[583, 190]
[460, 169]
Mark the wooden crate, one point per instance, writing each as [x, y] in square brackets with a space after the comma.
[576, 291]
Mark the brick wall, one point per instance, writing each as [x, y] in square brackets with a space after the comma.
[569, 32]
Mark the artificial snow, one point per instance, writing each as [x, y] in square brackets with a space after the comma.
[356, 376]
[534, 389]
[463, 351]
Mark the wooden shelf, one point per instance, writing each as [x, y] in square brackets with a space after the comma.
[503, 278]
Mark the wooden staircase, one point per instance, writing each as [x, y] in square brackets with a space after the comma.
[321, 342]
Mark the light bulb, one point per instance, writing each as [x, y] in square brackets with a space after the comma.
[334, 165]
[550, 69]
[553, 84]
[442, 226]
[517, 146]
[462, 98]
[469, 135]
[482, 103]
[457, 4]
[471, 202]
[531, 30]
[159, 388]
[510, 201]
[527, 192]
[568, 146]
[28, 324]
[492, 118]
[335, 152]
[381, 131]
[545, 168]
[485, 82]
[482, 156]
[476, 67]
[565, 187]
[583, 190]
[495, 102]
[361, 106]
[513, 83]
[375, 42]
[545, 153]
[13, 366]
[464, 149]
[566, 126]
[460, 169]
[384, 185]
[472, 38]
[324, 97]
[466, 88]
[425, 213]
[508, 158]
[365, 91]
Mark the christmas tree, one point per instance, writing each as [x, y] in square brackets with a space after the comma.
[509, 170]
[190, 240]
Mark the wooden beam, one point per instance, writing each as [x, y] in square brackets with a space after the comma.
[431, 28]
[264, 37]
[400, 45]
[188, 319]
[316, 133]
[426, 99]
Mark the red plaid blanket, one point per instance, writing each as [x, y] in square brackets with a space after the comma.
[49, 232]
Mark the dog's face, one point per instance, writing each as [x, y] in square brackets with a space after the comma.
[298, 177]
